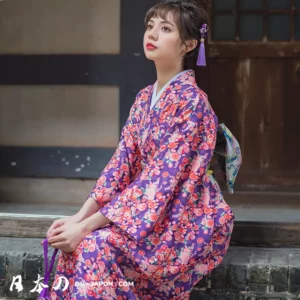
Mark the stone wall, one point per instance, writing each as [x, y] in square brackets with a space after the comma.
[245, 274]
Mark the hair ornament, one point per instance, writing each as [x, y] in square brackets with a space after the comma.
[201, 56]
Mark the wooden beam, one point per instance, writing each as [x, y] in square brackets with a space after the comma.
[266, 234]
[29, 226]
[253, 50]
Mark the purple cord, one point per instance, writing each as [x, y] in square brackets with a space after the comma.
[45, 292]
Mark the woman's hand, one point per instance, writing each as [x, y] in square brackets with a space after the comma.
[66, 237]
[67, 221]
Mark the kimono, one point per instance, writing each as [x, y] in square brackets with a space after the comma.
[170, 225]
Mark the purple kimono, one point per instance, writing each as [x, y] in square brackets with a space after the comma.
[170, 223]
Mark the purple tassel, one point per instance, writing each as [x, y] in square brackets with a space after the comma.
[201, 56]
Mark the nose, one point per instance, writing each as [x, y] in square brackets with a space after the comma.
[152, 35]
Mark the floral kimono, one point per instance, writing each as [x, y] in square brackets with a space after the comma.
[170, 224]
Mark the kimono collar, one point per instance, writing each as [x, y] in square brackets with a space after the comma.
[186, 77]
[189, 73]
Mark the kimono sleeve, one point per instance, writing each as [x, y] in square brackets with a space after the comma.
[183, 155]
[124, 164]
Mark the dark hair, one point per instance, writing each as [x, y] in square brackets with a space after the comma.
[189, 17]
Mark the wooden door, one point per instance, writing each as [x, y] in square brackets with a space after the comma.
[253, 83]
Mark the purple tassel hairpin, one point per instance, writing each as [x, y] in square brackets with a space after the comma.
[201, 56]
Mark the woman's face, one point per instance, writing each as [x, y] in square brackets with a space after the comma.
[162, 42]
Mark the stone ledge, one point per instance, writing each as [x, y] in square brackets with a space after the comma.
[200, 295]
[254, 273]
[246, 273]
[21, 256]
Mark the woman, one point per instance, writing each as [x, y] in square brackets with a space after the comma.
[156, 221]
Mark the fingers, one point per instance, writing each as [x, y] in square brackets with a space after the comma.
[50, 234]
[57, 239]
[62, 245]
[57, 231]
[58, 245]
[55, 224]
[50, 230]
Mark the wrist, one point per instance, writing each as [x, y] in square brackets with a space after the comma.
[84, 227]
[78, 217]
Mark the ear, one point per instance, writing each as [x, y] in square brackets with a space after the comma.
[191, 45]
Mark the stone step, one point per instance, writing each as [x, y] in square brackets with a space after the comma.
[245, 273]
[12, 298]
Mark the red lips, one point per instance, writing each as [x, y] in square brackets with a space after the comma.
[150, 46]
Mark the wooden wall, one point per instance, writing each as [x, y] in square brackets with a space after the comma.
[254, 87]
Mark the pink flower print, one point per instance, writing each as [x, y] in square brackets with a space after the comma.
[185, 255]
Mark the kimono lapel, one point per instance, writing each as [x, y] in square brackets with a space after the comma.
[186, 77]
[155, 121]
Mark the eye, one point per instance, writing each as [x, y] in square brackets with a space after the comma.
[149, 26]
[166, 29]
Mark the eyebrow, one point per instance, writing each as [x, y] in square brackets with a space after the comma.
[163, 22]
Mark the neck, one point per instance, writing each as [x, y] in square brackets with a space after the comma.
[164, 74]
